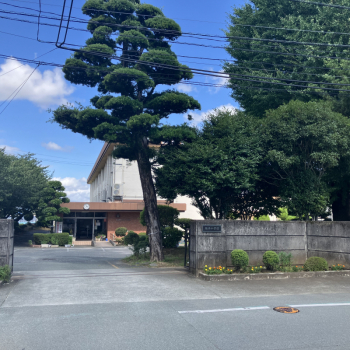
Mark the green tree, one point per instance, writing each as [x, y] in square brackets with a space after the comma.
[130, 106]
[258, 60]
[277, 61]
[50, 202]
[22, 178]
[216, 168]
[305, 141]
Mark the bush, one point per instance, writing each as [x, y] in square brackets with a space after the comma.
[316, 263]
[30, 242]
[119, 240]
[131, 238]
[141, 245]
[171, 237]
[52, 238]
[271, 260]
[5, 274]
[121, 231]
[240, 259]
[285, 259]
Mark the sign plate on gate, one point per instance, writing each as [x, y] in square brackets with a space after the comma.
[211, 228]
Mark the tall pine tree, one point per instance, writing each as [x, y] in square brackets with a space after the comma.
[127, 58]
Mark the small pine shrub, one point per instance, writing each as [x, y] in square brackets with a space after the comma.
[131, 238]
[315, 263]
[271, 260]
[240, 259]
[5, 274]
[121, 231]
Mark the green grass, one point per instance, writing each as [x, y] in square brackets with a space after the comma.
[173, 257]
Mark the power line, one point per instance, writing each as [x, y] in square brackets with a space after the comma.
[17, 90]
[207, 36]
[23, 64]
[205, 72]
[236, 48]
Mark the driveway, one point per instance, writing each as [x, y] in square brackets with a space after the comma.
[86, 298]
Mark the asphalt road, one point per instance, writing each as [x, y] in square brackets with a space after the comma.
[85, 298]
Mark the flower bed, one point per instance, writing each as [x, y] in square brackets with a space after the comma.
[219, 270]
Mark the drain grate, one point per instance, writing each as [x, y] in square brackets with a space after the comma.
[286, 309]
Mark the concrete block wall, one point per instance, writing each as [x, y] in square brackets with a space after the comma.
[6, 242]
[330, 240]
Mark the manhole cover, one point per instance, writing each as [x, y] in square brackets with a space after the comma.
[286, 309]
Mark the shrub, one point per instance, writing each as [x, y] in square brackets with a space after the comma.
[240, 259]
[131, 238]
[271, 260]
[121, 231]
[171, 237]
[141, 245]
[118, 240]
[53, 238]
[30, 242]
[315, 263]
[5, 274]
[285, 259]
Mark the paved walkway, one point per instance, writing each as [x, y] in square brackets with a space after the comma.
[86, 298]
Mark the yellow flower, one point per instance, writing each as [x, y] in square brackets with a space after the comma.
[206, 266]
[261, 267]
[209, 268]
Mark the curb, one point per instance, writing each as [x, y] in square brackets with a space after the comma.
[273, 276]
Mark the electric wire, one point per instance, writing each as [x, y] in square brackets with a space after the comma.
[16, 91]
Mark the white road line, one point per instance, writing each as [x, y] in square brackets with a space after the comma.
[103, 249]
[316, 305]
[224, 310]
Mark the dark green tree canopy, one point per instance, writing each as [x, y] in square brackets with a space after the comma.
[216, 167]
[304, 142]
[287, 63]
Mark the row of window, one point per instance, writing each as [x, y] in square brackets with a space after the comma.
[85, 214]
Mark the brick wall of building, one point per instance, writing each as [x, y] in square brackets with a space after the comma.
[130, 220]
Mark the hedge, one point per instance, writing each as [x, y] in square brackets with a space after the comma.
[52, 238]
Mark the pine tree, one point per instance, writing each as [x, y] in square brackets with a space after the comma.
[127, 71]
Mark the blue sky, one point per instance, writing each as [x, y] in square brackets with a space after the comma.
[24, 125]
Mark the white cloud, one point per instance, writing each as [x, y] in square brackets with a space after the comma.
[44, 89]
[52, 146]
[199, 117]
[10, 149]
[218, 81]
[77, 189]
[185, 87]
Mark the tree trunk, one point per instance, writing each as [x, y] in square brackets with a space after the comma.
[150, 199]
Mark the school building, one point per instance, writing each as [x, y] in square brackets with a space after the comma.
[116, 200]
